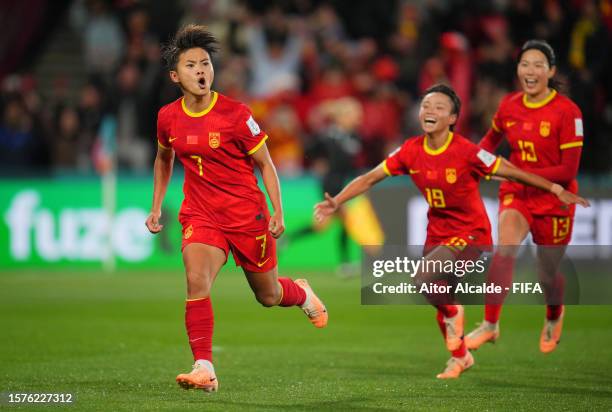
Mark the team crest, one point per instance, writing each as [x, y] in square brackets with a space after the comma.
[451, 175]
[544, 129]
[508, 199]
[214, 139]
[188, 232]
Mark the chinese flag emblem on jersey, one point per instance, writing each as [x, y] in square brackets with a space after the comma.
[214, 139]
[544, 128]
[451, 175]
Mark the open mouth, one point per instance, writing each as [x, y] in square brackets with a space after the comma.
[531, 82]
[430, 121]
[202, 83]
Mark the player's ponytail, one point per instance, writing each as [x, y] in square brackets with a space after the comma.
[547, 51]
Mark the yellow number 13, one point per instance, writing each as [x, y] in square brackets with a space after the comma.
[528, 153]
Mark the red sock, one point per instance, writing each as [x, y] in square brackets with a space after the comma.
[462, 350]
[492, 313]
[200, 322]
[447, 310]
[293, 295]
[499, 273]
[553, 312]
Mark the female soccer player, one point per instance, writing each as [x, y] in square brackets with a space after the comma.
[218, 142]
[545, 133]
[446, 169]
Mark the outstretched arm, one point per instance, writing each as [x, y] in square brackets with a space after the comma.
[565, 171]
[162, 171]
[511, 172]
[357, 186]
[491, 140]
[270, 178]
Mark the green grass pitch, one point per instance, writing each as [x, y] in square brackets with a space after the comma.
[118, 341]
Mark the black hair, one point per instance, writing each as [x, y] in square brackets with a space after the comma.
[188, 37]
[542, 46]
[549, 53]
[450, 92]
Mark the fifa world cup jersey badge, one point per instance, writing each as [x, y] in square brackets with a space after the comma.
[451, 175]
[544, 129]
[214, 139]
[188, 232]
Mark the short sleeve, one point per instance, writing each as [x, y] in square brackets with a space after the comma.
[395, 163]
[571, 133]
[163, 129]
[249, 134]
[497, 124]
[483, 162]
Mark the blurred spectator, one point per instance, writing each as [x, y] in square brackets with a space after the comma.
[495, 54]
[133, 148]
[589, 43]
[275, 50]
[380, 128]
[103, 39]
[140, 41]
[66, 139]
[22, 147]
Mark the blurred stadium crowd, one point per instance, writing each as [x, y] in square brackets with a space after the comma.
[341, 71]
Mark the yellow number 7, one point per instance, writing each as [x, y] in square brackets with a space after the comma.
[263, 244]
[199, 160]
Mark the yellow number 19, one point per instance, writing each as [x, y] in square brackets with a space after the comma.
[435, 197]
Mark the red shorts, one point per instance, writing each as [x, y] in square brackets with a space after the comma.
[254, 251]
[545, 229]
[468, 246]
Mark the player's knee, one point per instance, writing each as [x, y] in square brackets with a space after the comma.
[199, 283]
[507, 249]
[267, 298]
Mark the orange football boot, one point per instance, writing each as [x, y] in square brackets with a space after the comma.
[200, 377]
[313, 307]
[456, 366]
[486, 332]
[551, 333]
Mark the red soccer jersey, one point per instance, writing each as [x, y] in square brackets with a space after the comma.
[214, 147]
[538, 133]
[448, 178]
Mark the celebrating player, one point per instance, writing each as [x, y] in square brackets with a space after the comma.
[545, 133]
[218, 142]
[446, 168]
